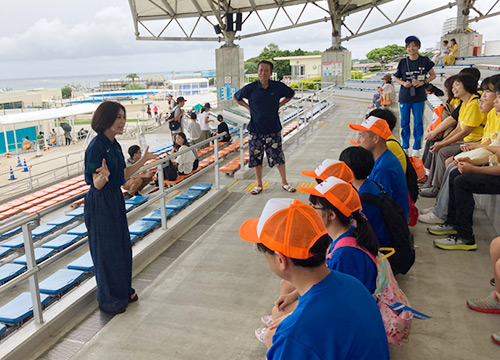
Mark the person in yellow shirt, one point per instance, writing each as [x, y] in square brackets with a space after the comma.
[470, 128]
[450, 58]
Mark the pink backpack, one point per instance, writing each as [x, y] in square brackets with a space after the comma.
[392, 302]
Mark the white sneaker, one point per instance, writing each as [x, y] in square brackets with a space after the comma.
[430, 218]
[426, 210]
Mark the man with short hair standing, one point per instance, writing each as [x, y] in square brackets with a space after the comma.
[265, 98]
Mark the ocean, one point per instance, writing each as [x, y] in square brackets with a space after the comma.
[87, 81]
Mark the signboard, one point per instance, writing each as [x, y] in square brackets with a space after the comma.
[332, 68]
[226, 93]
[227, 80]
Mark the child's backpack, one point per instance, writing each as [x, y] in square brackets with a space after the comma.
[392, 302]
[411, 177]
[173, 124]
[395, 221]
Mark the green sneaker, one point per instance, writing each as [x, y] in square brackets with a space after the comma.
[489, 304]
[496, 337]
[453, 242]
[442, 229]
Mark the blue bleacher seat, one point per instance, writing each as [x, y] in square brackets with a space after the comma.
[155, 215]
[61, 241]
[4, 250]
[77, 212]
[133, 238]
[176, 204]
[19, 308]
[8, 271]
[137, 200]
[60, 281]
[80, 230]
[42, 230]
[40, 255]
[9, 233]
[189, 194]
[83, 263]
[129, 207]
[62, 220]
[15, 243]
[3, 329]
[201, 186]
[141, 227]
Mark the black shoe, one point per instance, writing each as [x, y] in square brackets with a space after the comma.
[492, 282]
[127, 196]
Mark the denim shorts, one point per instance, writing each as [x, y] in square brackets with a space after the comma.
[271, 144]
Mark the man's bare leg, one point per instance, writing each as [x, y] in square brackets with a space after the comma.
[282, 171]
[258, 175]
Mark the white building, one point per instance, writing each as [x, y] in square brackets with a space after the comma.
[303, 67]
[449, 25]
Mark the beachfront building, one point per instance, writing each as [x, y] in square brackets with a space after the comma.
[37, 98]
[178, 87]
[303, 67]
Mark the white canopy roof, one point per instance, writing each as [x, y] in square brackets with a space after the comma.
[47, 114]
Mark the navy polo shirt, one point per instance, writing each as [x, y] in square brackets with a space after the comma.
[411, 69]
[102, 148]
[264, 105]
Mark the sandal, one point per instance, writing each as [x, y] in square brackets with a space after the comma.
[260, 334]
[288, 188]
[256, 190]
[133, 298]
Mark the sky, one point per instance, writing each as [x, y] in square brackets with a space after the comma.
[71, 38]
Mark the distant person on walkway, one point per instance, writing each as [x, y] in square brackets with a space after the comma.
[149, 112]
[27, 144]
[412, 74]
[265, 98]
[138, 181]
[67, 136]
[336, 317]
[453, 53]
[53, 137]
[105, 216]
[155, 109]
[171, 102]
[178, 113]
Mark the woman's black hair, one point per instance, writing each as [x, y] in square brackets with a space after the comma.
[471, 71]
[105, 115]
[318, 250]
[469, 82]
[490, 80]
[363, 232]
[455, 41]
[220, 118]
[359, 160]
[385, 114]
[133, 150]
[448, 84]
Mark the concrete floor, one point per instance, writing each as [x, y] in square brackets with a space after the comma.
[207, 303]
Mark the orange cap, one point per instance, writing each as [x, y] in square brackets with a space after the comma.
[338, 193]
[375, 125]
[329, 168]
[288, 226]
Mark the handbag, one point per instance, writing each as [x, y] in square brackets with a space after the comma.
[170, 172]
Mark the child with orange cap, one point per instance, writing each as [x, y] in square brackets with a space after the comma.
[336, 317]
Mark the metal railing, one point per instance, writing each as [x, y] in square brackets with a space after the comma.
[29, 222]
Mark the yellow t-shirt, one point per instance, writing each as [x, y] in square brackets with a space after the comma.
[455, 102]
[492, 127]
[397, 150]
[470, 115]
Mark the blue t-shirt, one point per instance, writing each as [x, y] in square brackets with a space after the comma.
[354, 262]
[337, 319]
[389, 173]
[102, 148]
[374, 215]
[411, 69]
[264, 105]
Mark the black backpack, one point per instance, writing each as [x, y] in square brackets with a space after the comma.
[411, 176]
[174, 124]
[401, 237]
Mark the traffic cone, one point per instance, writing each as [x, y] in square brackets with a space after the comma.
[12, 177]
[19, 161]
[25, 166]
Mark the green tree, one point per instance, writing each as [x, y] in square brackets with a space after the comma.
[134, 87]
[132, 76]
[387, 54]
[66, 92]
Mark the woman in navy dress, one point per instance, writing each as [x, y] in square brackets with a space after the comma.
[105, 216]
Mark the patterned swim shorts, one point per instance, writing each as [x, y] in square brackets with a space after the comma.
[271, 144]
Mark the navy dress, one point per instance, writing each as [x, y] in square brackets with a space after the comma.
[106, 221]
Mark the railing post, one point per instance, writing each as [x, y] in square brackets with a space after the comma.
[242, 151]
[161, 189]
[33, 279]
[216, 162]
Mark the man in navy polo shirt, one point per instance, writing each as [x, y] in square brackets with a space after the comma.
[265, 97]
